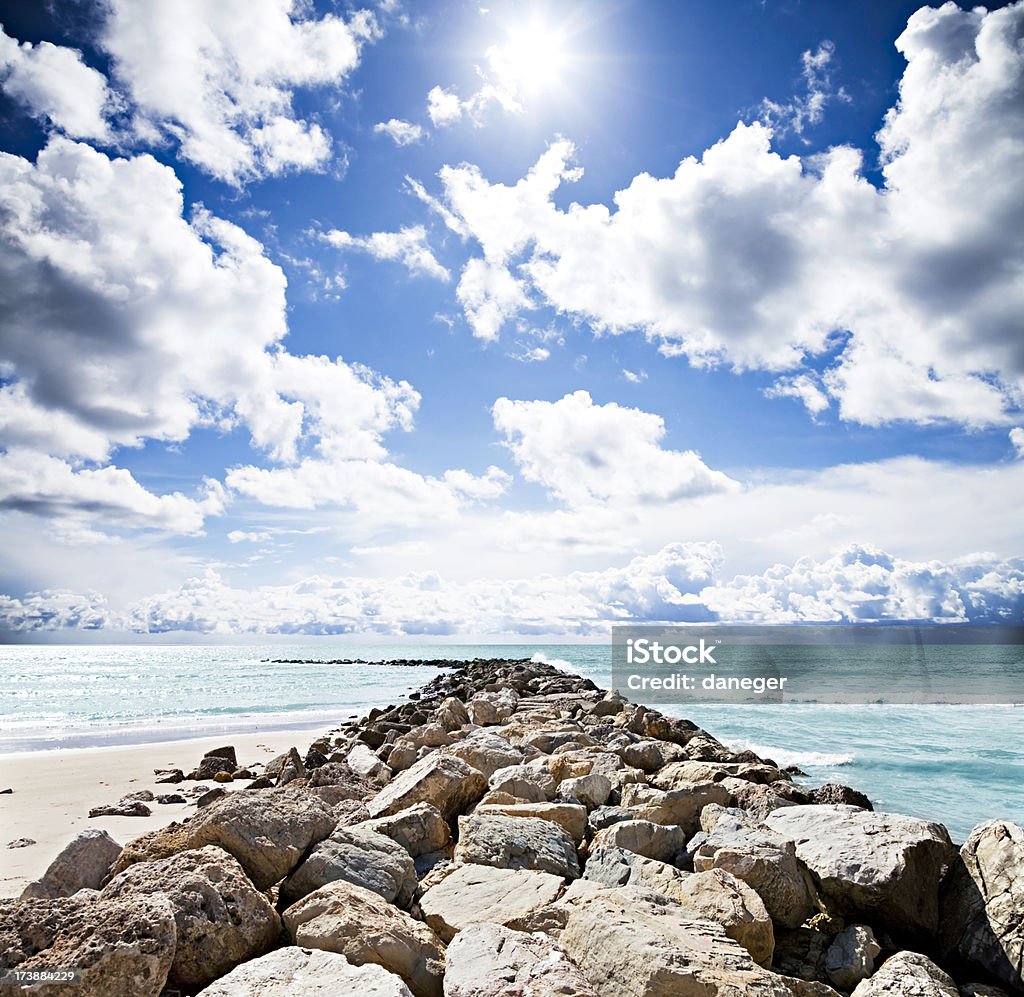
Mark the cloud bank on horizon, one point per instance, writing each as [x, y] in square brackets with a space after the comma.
[313, 325]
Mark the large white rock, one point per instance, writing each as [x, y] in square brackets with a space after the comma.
[656, 841]
[82, 864]
[983, 901]
[885, 867]
[517, 843]
[681, 806]
[490, 960]
[473, 894]
[908, 974]
[447, 783]
[418, 829]
[366, 929]
[298, 972]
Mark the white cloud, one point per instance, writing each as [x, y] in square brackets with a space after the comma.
[400, 132]
[408, 246]
[809, 108]
[760, 261]
[531, 354]
[1017, 439]
[53, 82]
[219, 78]
[803, 389]
[634, 376]
[585, 453]
[56, 609]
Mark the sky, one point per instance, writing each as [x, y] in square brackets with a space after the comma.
[463, 319]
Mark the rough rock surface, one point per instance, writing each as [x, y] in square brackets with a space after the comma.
[419, 829]
[682, 805]
[983, 902]
[365, 928]
[356, 855]
[268, 832]
[124, 948]
[486, 751]
[571, 817]
[908, 974]
[221, 918]
[446, 782]
[655, 841]
[529, 783]
[82, 864]
[298, 972]
[851, 956]
[592, 789]
[473, 894]
[628, 946]
[886, 868]
[517, 843]
[489, 960]
[364, 762]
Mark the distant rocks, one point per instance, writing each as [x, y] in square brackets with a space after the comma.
[123, 808]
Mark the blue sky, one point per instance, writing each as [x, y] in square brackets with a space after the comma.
[509, 318]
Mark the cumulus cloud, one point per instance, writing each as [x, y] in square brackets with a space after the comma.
[863, 584]
[676, 584]
[1017, 439]
[748, 258]
[52, 82]
[803, 388]
[219, 78]
[400, 132]
[407, 246]
[585, 453]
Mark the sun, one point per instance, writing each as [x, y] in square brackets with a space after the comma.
[533, 57]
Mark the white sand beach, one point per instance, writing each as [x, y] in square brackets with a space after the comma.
[53, 792]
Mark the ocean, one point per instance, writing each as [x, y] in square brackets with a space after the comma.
[958, 764]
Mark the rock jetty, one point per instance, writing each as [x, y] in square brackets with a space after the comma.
[514, 830]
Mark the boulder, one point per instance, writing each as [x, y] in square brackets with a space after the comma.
[529, 783]
[517, 843]
[298, 972]
[472, 894]
[851, 956]
[82, 864]
[490, 960]
[571, 817]
[765, 861]
[366, 929]
[489, 708]
[446, 782]
[649, 755]
[885, 867]
[907, 974]
[123, 948]
[151, 846]
[681, 806]
[419, 829]
[754, 797]
[355, 855]
[486, 751]
[592, 789]
[451, 714]
[211, 765]
[123, 808]
[228, 752]
[832, 792]
[983, 902]
[610, 866]
[221, 919]
[268, 832]
[365, 763]
[633, 945]
[656, 841]
[428, 735]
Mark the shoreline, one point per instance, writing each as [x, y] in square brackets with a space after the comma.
[54, 790]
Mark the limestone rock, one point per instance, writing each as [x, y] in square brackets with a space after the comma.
[529, 783]
[656, 841]
[211, 765]
[221, 918]
[801, 952]
[631, 945]
[486, 751]
[765, 861]
[124, 948]
[571, 817]
[366, 929]
[650, 755]
[446, 782]
[517, 843]
[490, 960]
[472, 894]
[592, 789]
[832, 792]
[123, 808]
[451, 714]
[851, 956]
[298, 972]
[884, 867]
[419, 829]
[682, 805]
[907, 974]
[983, 901]
[365, 762]
[610, 866]
[268, 832]
[82, 864]
[356, 855]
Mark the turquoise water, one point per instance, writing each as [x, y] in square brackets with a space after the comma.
[956, 764]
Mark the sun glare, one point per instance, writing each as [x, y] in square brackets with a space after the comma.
[532, 58]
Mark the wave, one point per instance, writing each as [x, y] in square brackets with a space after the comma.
[560, 663]
[785, 757]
